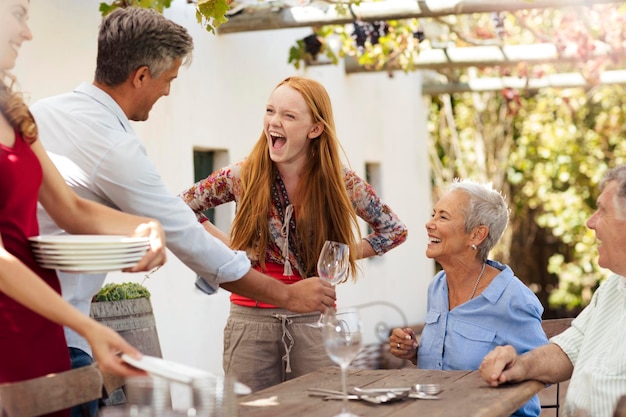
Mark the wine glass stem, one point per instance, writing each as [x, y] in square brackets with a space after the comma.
[344, 387]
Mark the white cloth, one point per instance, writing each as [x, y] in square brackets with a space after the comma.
[91, 141]
[596, 345]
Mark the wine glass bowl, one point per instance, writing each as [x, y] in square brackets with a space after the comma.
[332, 266]
[342, 333]
[333, 262]
[342, 342]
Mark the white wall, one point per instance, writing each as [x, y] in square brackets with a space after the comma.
[218, 103]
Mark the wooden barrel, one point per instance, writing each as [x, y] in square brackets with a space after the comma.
[133, 320]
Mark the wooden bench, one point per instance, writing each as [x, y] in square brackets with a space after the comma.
[50, 393]
[132, 319]
[552, 327]
[54, 392]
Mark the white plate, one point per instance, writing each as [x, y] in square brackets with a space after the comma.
[88, 242]
[89, 251]
[110, 240]
[176, 371]
[91, 258]
[92, 268]
[81, 246]
[98, 263]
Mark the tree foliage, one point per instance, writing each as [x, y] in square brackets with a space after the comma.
[566, 143]
[548, 158]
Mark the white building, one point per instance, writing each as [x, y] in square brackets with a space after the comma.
[218, 104]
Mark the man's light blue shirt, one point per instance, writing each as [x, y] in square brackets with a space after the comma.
[91, 141]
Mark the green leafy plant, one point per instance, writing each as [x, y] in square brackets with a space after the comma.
[308, 49]
[158, 5]
[212, 13]
[123, 291]
[547, 151]
[209, 13]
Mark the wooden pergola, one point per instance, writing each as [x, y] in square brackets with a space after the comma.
[273, 15]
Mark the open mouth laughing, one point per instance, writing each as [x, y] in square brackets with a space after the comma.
[278, 140]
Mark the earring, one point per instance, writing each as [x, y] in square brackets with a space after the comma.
[473, 246]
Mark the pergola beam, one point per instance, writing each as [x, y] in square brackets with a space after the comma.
[490, 56]
[318, 13]
[562, 80]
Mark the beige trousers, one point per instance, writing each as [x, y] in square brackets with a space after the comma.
[266, 346]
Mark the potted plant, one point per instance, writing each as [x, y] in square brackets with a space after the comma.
[126, 308]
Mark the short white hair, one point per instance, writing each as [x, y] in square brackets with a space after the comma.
[486, 206]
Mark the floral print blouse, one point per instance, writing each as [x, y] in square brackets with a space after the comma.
[224, 186]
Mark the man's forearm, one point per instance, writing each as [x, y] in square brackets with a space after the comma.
[259, 287]
[303, 296]
[548, 364]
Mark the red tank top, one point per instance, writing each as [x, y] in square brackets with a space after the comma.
[30, 345]
[273, 270]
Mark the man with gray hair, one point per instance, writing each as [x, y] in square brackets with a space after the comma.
[591, 351]
[88, 135]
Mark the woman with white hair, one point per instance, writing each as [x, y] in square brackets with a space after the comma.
[474, 303]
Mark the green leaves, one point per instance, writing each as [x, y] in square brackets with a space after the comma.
[124, 291]
[209, 13]
[212, 13]
[375, 45]
[158, 5]
[549, 158]
[308, 49]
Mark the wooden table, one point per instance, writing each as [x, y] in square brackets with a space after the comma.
[464, 393]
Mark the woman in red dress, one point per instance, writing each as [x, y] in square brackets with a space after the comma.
[32, 312]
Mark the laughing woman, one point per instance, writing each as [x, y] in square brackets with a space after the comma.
[474, 304]
[292, 194]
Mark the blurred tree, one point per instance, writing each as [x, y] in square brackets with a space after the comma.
[547, 156]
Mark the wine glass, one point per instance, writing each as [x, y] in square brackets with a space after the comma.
[342, 334]
[332, 266]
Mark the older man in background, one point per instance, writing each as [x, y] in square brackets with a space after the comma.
[591, 352]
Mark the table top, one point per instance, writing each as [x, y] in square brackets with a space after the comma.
[464, 393]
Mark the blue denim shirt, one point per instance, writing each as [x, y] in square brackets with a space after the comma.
[507, 312]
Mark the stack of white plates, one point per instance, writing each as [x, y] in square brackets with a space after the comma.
[88, 253]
